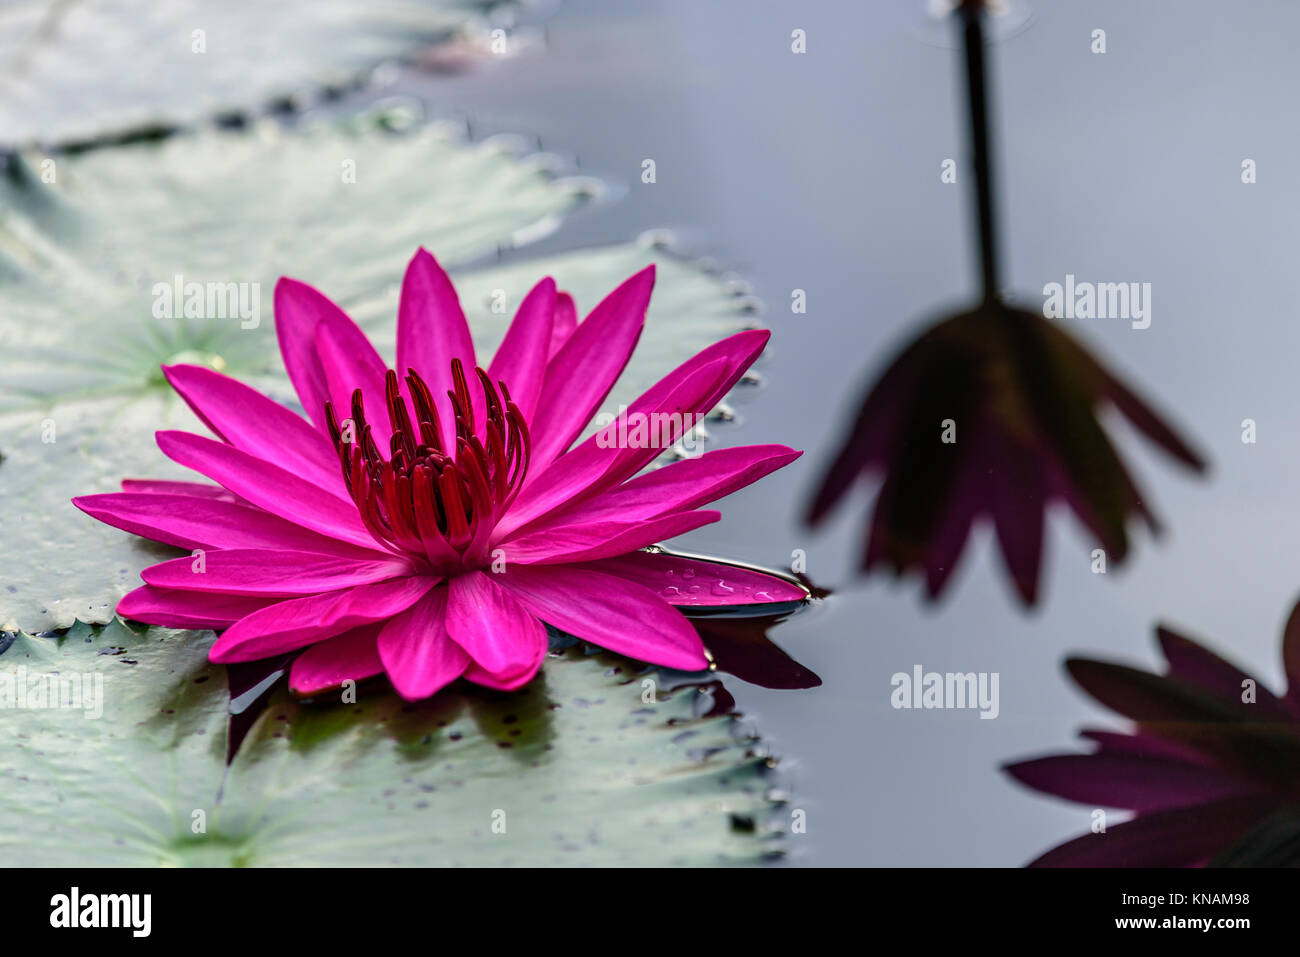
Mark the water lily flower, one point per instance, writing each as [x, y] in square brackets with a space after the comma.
[425, 520]
[992, 412]
[1212, 762]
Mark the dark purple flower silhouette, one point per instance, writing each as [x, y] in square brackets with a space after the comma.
[990, 412]
[1211, 768]
[1020, 397]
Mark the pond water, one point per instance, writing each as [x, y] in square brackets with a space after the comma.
[821, 172]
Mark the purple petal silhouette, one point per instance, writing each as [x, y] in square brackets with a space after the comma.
[1213, 757]
[992, 414]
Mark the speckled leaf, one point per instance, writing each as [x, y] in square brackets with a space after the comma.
[80, 391]
[78, 70]
[577, 769]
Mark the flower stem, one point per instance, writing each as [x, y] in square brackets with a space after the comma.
[972, 13]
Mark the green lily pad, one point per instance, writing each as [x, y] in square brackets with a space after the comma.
[80, 391]
[75, 71]
[580, 768]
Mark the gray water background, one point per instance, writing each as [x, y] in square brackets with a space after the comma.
[821, 172]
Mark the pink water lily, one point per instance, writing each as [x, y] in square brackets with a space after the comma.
[430, 517]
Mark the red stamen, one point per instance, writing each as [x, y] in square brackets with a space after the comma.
[423, 499]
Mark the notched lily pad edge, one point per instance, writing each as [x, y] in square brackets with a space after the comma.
[714, 702]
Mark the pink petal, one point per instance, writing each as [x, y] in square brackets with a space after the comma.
[684, 581]
[520, 361]
[600, 462]
[278, 491]
[298, 310]
[694, 387]
[255, 424]
[566, 321]
[351, 656]
[192, 489]
[587, 366]
[431, 331]
[676, 487]
[289, 625]
[585, 543]
[349, 362]
[260, 571]
[185, 609]
[190, 522]
[608, 611]
[417, 651]
[505, 641]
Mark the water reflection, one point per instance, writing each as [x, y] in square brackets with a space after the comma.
[990, 413]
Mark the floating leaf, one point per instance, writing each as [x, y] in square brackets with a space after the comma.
[578, 768]
[74, 71]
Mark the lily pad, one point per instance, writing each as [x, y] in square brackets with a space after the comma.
[80, 257]
[580, 768]
[75, 71]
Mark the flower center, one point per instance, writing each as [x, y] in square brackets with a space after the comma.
[424, 499]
